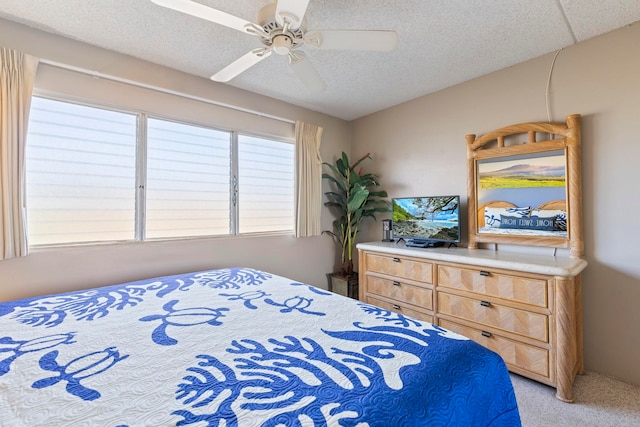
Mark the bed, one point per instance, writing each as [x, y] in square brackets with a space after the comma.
[238, 347]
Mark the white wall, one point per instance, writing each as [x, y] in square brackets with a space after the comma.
[55, 270]
[419, 149]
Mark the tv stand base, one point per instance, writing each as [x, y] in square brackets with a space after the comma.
[418, 244]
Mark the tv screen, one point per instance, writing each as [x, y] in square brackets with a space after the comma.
[426, 221]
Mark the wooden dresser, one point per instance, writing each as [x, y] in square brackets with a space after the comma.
[527, 308]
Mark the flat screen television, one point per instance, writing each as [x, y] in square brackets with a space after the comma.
[426, 221]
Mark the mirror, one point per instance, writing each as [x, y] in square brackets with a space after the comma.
[525, 186]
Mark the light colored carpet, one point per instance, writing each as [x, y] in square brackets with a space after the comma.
[600, 401]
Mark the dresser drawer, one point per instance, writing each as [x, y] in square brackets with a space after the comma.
[400, 308]
[400, 267]
[508, 319]
[399, 291]
[514, 353]
[515, 288]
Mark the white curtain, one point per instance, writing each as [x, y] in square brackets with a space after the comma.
[17, 76]
[308, 180]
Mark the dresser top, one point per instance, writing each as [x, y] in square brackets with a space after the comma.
[531, 263]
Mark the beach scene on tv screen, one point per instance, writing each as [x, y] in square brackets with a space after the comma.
[429, 218]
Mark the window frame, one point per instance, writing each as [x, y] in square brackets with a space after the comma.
[237, 157]
[142, 117]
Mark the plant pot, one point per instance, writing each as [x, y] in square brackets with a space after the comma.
[344, 285]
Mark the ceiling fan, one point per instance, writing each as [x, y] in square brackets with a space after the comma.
[281, 30]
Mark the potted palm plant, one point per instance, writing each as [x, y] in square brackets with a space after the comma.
[352, 198]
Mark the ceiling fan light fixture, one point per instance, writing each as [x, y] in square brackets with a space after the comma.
[281, 44]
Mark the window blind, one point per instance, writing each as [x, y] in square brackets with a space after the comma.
[98, 175]
[81, 172]
[266, 172]
[187, 190]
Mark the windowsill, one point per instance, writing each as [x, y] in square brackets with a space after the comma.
[43, 248]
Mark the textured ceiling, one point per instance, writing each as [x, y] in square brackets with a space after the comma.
[440, 42]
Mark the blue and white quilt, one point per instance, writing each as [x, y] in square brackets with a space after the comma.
[238, 347]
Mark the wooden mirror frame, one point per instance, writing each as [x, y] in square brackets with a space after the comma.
[563, 137]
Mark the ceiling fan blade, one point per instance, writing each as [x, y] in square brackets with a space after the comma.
[292, 11]
[352, 39]
[204, 12]
[306, 72]
[241, 64]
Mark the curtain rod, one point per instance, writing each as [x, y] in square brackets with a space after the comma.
[98, 74]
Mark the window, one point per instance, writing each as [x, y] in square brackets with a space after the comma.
[81, 173]
[188, 170]
[97, 175]
[266, 185]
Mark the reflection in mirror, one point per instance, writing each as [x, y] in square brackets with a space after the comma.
[524, 183]
[526, 192]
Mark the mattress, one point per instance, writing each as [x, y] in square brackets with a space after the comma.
[238, 347]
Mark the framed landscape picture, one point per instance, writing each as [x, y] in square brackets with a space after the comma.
[519, 172]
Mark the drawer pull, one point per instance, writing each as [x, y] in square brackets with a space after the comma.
[394, 283]
[485, 303]
[484, 273]
[395, 306]
[396, 259]
[486, 334]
